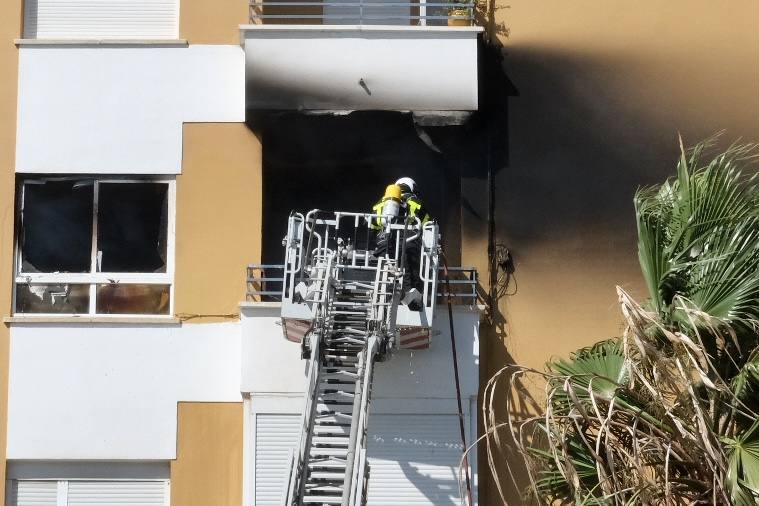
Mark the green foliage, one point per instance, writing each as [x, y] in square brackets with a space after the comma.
[669, 413]
[743, 466]
[598, 369]
[698, 238]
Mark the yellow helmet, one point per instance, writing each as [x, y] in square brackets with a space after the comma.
[393, 191]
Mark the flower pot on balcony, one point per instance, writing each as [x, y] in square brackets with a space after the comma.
[458, 19]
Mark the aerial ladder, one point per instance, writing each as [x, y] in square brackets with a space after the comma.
[342, 301]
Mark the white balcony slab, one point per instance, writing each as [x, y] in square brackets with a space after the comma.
[272, 365]
[349, 67]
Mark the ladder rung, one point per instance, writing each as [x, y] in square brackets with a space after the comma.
[331, 452]
[324, 488]
[339, 374]
[337, 396]
[332, 429]
[326, 475]
[335, 409]
[328, 463]
[338, 418]
[330, 440]
[323, 499]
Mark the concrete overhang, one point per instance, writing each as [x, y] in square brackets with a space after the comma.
[358, 67]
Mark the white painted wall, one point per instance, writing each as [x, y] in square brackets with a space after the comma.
[120, 109]
[110, 392]
[272, 365]
[405, 68]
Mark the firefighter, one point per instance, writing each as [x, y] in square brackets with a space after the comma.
[412, 204]
[401, 201]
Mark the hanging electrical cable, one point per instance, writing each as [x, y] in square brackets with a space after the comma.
[456, 376]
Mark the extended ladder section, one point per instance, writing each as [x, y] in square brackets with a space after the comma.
[351, 298]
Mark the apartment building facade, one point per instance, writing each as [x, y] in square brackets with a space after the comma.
[150, 152]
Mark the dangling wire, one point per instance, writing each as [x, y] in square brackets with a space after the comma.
[504, 262]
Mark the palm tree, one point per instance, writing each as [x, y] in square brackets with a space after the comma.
[669, 412]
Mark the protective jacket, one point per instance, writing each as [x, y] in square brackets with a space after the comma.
[413, 207]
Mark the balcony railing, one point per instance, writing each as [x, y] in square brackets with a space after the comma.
[264, 284]
[357, 12]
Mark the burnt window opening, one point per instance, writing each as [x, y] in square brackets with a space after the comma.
[56, 226]
[131, 227]
[90, 246]
[51, 298]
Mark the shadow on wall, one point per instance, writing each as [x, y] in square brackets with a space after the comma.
[585, 133]
[586, 130]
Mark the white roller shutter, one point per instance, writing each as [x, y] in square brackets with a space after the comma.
[101, 19]
[413, 458]
[88, 493]
[108, 493]
[34, 493]
[276, 435]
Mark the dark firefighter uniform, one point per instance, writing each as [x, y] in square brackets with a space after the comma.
[412, 207]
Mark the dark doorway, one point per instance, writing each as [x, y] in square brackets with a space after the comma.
[343, 162]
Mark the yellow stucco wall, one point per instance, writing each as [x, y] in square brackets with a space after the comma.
[212, 22]
[604, 87]
[10, 28]
[208, 468]
[218, 221]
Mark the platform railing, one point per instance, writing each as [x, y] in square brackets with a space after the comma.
[264, 283]
[360, 12]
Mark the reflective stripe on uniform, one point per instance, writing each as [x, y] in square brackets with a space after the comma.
[413, 207]
[376, 223]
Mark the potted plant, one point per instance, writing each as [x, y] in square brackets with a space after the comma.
[459, 13]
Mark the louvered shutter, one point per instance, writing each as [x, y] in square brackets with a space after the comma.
[101, 19]
[34, 493]
[108, 493]
[413, 458]
[276, 435]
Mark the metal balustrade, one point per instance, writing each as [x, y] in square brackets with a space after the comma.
[264, 283]
[369, 12]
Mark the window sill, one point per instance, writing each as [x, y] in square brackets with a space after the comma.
[102, 42]
[131, 320]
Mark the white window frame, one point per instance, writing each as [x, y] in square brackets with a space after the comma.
[94, 278]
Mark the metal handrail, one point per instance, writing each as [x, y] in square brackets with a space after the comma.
[464, 277]
[378, 11]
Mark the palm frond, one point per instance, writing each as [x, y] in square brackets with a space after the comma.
[698, 237]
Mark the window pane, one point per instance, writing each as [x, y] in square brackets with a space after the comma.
[65, 299]
[56, 226]
[133, 299]
[132, 227]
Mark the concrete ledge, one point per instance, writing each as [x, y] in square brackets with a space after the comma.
[102, 42]
[131, 320]
[361, 67]
[439, 309]
[249, 304]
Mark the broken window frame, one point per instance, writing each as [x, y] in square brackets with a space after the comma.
[95, 278]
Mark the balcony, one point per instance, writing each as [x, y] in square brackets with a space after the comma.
[264, 284]
[346, 55]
